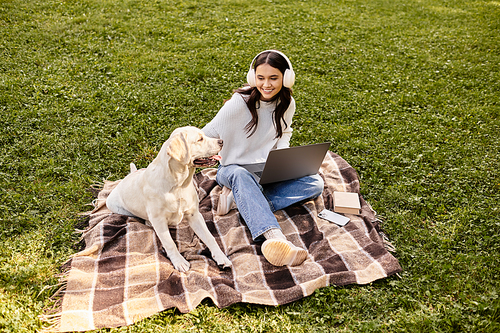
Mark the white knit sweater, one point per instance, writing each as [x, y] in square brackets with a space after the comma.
[229, 125]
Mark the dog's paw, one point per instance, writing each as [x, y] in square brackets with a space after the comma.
[180, 264]
[222, 261]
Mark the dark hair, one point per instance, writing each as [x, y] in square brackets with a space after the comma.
[283, 98]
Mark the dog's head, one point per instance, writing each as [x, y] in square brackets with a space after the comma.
[191, 147]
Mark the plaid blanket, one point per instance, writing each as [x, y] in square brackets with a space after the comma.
[123, 274]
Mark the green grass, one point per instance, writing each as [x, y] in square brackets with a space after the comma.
[406, 91]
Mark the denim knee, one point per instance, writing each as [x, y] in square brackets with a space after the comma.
[317, 184]
[240, 173]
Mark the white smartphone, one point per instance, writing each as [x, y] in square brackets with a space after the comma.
[338, 219]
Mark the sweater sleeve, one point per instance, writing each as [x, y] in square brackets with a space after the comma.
[225, 117]
[284, 141]
[210, 131]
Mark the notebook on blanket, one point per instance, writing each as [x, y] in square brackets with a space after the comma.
[289, 163]
[123, 274]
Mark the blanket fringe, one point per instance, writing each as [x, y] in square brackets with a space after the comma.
[96, 203]
[52, 316]
[387, 244]
[98, 186]
[53, 321]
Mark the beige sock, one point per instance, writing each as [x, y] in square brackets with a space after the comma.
[274, 233]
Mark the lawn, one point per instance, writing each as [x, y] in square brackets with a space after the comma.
[407, 91]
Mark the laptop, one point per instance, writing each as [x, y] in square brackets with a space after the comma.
[289, 163]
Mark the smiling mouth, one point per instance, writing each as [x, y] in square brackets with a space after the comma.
[207, 161]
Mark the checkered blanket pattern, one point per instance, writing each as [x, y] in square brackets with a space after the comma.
[123, 274]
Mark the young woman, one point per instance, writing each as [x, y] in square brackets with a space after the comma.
[255, 120]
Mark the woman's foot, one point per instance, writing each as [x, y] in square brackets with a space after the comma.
[281, 252]
[226, 202]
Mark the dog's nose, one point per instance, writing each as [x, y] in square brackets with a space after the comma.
[220, 142]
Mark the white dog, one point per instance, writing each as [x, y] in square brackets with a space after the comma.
[164, 193]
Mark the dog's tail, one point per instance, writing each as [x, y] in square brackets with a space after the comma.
[133, 168]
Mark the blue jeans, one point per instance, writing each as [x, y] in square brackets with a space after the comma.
[256, 203]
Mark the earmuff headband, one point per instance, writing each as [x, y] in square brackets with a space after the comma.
[288, 76]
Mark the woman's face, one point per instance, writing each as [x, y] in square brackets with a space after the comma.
[269, 81]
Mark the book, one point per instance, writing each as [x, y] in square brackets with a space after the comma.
[346, 202]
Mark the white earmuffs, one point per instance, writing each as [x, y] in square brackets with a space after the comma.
[288, 76]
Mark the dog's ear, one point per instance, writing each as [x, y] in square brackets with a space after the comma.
[178, 149]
